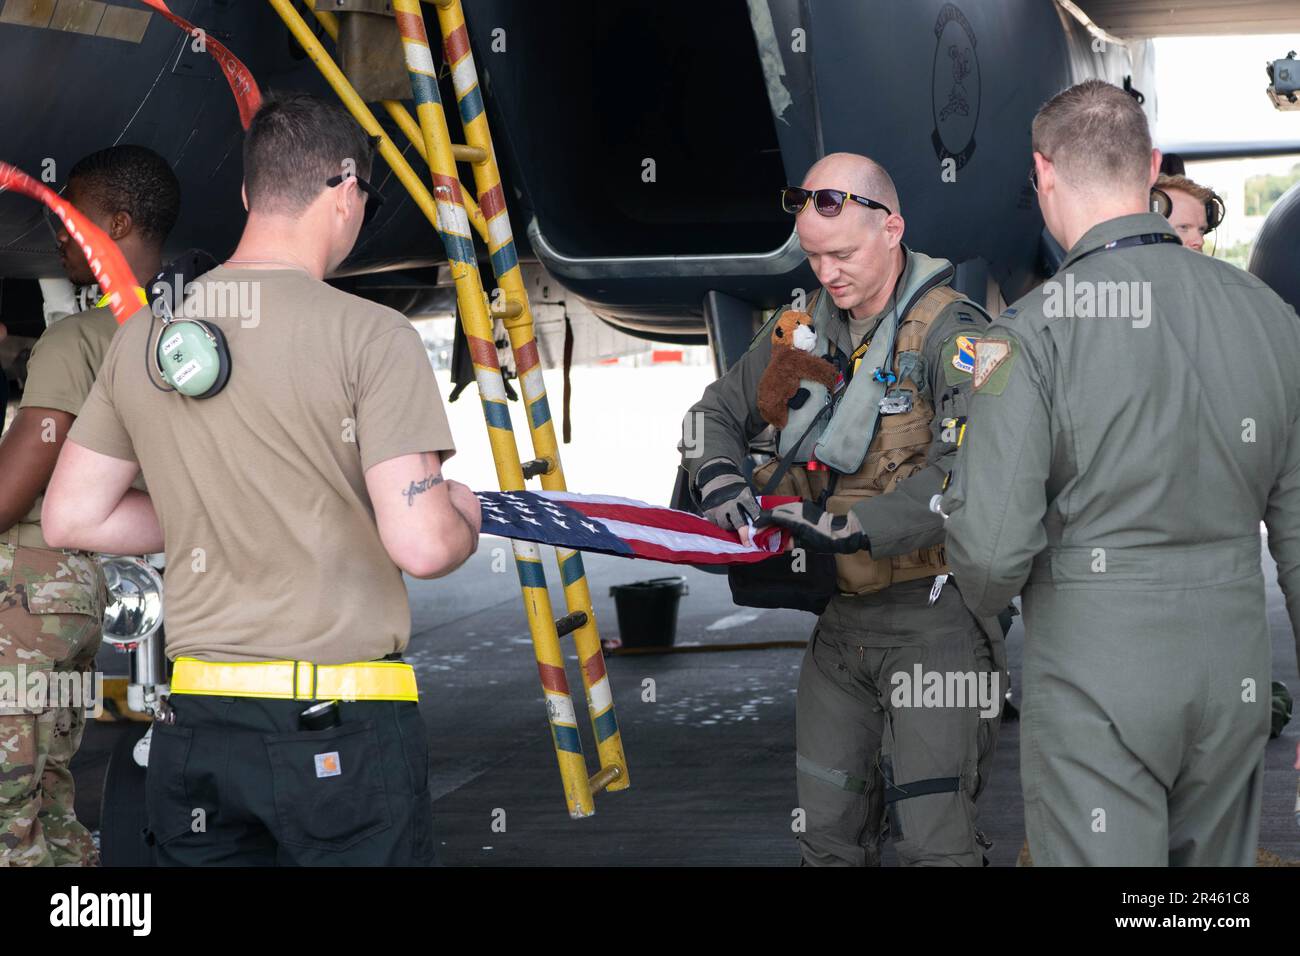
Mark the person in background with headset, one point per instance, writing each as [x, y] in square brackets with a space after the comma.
[1193, 210]
[292, 437]
[52, 601]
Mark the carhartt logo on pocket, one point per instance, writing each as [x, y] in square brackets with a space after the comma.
[327, 765]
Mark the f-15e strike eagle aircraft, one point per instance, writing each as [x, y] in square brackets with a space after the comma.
[642, 143]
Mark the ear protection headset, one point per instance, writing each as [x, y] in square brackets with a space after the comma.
[1214, 208]
[191, 356]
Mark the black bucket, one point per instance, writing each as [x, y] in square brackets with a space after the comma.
[647, 611]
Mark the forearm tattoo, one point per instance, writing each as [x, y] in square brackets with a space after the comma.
[420, 487]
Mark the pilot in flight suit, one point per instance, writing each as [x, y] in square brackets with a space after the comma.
[1134, 419]
[862, 747]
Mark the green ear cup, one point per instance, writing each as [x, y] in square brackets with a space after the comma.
[193, 358]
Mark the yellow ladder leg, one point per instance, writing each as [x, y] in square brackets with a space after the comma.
[518, 321]
[447, 213]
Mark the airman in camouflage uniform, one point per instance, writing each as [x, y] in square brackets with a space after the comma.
[52, 601]
[51, 612]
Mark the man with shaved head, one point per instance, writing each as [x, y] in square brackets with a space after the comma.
[898, 701]
[1134, 420]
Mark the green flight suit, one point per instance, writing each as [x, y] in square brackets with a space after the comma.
[858, 751]
[1115, 471]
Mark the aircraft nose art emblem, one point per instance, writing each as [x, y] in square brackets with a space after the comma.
[956, 86]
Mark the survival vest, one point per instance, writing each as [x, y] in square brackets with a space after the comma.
[898, 443]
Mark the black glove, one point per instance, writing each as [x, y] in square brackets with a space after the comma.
[816, 528]
[724, 495]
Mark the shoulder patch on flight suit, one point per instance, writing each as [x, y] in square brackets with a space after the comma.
[1009, 312]
[993, 361]
[959, 357]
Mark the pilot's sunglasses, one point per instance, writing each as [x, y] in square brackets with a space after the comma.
[373, 197]
[828, 202]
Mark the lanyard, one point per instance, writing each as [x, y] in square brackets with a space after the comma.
[856, 358]
[859, 352]
[1145, 239]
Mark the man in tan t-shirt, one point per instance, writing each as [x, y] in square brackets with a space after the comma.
[288, 503]
[52, 601]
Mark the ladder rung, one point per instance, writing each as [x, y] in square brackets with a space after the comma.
[468, 154]
[511, 310]
[570, 623]
[538, 466]
[604, 777]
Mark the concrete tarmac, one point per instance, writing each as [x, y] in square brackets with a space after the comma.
[709, 737]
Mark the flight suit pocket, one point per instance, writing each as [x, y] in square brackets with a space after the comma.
[829, 658]
[329, 786]
[169, 810]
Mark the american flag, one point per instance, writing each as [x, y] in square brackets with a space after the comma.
[622, 526]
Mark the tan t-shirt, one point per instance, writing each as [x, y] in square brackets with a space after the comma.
[272, 548]
[61, 370]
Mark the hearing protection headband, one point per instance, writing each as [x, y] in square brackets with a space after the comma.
[1214, 209]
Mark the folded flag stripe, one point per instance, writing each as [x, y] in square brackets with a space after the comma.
[640, 513]
[619, 526]
[680, 546]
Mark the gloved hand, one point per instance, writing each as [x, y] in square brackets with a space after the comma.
[725, 497]
[816, 528]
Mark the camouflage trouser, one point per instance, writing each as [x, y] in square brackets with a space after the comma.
[51, 610]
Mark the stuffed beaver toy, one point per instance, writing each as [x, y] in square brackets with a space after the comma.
[793, 340]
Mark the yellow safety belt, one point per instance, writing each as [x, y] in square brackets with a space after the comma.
[295, 680]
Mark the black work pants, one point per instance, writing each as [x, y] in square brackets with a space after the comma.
[234, 782]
